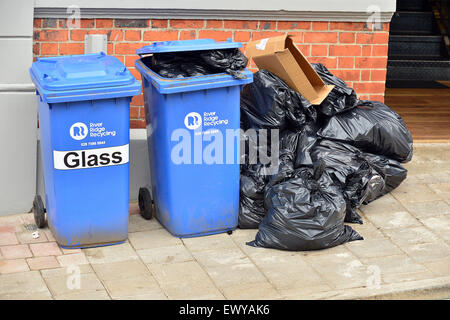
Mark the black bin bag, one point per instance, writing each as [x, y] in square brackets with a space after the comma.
[341, 98]
[198, 63]
[255, 178]
[372, 127]
[392, 171]
[269, 103]
[251, 202]
[306, 212]
[349, 169]
[363, 176]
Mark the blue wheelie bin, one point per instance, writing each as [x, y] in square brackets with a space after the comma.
[84, 132]
[193, 139]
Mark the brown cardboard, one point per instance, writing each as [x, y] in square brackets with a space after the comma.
[281, 56]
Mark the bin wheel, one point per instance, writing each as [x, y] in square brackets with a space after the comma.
[230, 232]
[39, 212]
[145, 203]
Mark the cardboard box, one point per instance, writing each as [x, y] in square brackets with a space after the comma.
[281, 56]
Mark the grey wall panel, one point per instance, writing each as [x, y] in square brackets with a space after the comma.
[16, 57]
[18, 136]
[16, 18]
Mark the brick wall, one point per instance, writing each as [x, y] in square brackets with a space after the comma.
[348, 49]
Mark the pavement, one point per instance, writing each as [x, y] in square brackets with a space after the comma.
[405, 255]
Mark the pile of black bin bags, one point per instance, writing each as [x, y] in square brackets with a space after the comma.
[333, 158]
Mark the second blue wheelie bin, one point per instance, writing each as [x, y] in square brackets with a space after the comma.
[84, 134]
[193, 139]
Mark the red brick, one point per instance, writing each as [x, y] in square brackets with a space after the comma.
[378, 75]
[62, 23]
[320, 37]
[214, 24]
[49, 23]
[216, 35]
[347, 75]
[99, 31]
[87, 23]
[187, 24]
[345, 50]
[37, 49]
[372, 38]
[120, 58]
[257, 35]
[386, 26]
[133, 35]
[160, 23]
[37, 23]
[115, 35]
[188, 34]
[346, 37]
[319, 50]
[369, 63]
[110, 48]
[240, 24]
[129, 61]
[135, 73]
[52, 35]
[137, 124]
[292, 25]
[127, 48]
[347, 26]
[160, 35]
[49, 49]
[137, 101]
[267, 25]
[369, 87]
[71, 48]
[377, 98]
[77, 34]
[364, 97]
[242, 36]
[380, 51]
[320, 25]
[305, 49]
[297, 36]
[104, 23]
[346, 62]
[366, 51]
[365, 75]
[329, 62]
[131, 23]
[134, 112]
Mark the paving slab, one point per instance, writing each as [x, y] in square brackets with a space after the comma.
[23, 285]
[185, 280]
[108, 254]
[138, 285]
[152, 239]
[169, 254]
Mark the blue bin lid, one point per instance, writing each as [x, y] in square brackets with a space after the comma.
[80, 72]
[82, 77]
[187, 45]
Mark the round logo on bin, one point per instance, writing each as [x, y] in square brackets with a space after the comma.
[193, 120]
[78, 131]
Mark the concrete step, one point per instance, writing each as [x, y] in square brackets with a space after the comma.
[413, 23]
[418, 70]
[417, 48]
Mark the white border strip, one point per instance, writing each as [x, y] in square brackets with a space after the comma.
[146, 13]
